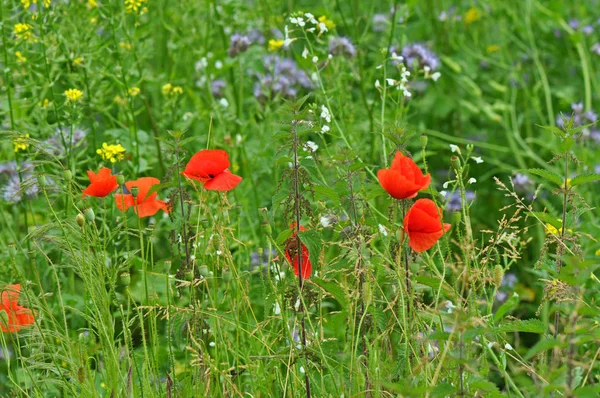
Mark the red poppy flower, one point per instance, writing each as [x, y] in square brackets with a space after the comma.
[404, 179]
[291, 252]
[18, 316]
[146, 205]
[423, 225]
[102, 183]
[210, 167]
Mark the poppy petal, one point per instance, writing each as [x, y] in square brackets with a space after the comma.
[206, 164]
[421, 242]
[396, 184]
[224, 181]
[10, 295]
[417, 220]
[149, 208]
[124, 201]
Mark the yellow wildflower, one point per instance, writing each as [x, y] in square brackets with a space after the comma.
[94, 20]
[329, 24]
[77, 61]
[133, 91]
[120, 100]
[73, 95]
[472, 15]
[275, 44]
[568, 182]
[20, 143]
[92, 4]
[134, 5]
[125, 46]
[112, 153]
[45, 104]
[23, 31]
[598, 252]
[551, 229]
[177, 90]
[492, 48]
[27, 3]
[20, 58]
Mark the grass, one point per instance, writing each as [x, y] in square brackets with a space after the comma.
[496, 102]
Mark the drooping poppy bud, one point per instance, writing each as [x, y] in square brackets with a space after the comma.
[403, 179]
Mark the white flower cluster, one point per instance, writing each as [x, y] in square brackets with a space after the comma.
[308, 18]
[325, 114]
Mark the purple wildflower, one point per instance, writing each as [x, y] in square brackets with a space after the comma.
[216, 87]
[238, 44]
[454, 201]
[418, 56]
[283, 77]
[342, 46]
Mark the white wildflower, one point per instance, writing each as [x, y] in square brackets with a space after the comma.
[508, 347]
[224, 103]
[305, 53]
[315, 59]
[212, 344]
[276, 309]
[454, 148]
[325, 129]
[325, 114]
[383, 230]
[477, 159]
[472, 180]
[310, 146]
[218, 64]
[436, 76]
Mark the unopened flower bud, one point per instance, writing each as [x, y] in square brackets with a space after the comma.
[455, 162]
[120, 179]
[226, 275]
[124, 279]
[41, 180]
[189, 276]
[80, 219]
[203, 270]
[68, 175]
[12, 250]
[89, 214]
[423, 140]
[456, 217]
[167, 266]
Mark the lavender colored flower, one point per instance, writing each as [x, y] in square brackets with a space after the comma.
[580, 118]
[256, 37]
[419, 56]
[342, 46]
[379, 22]
[238, 44]
[55, 145]
[574, 23]
[509, 280]
[14, 186]
[260, 259]
[454, 201]
[522, 183]
[596, 48]
[216, 87]
[587, 30]
[283, 77]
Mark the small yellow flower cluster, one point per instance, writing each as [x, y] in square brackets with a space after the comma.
[125, 46]
[551, 229]
[133, 91]
[134, 5]
[27, 3]
[77, 61]
[20, 58]
[329, 24]
[472, 15]
[73, 95]
[92, 4]
[112, 153]
[169, 89]
[21, 143]
[44, 104]
[120, 100]
[23, 31]
[275, 44]
[492, 48]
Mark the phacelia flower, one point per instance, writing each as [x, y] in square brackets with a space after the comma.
[379, 22]
[342, 46]
[423, 225]
[403, 179]
[454, 200]
[238, 44]
[419, 56]
[293, 255]
[217, 87]
[112, 153]
[101, 184]
[283, 77]
[143, 204]
[20, 143]
[211, 168]
[55, 145]
[17, 317]
[73, 95]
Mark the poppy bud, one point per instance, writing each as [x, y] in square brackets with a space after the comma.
[498, 275]
[89, 214]
[12, 250]
[167, 266]
[227, 275]
[268, 229]
[456, 217]
[423, 140]
[80, 219]
[41, 180]
[120, 179]
[134, 191]
[125, 279]
[68, 175]
[455, 162]
[203, 270]
[189, 276]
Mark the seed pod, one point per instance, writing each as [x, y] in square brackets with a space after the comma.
[68, 175]
[41, 180]
[423, 141]
[80, 219]
[456, 218]
[89, 214]
[12, 250]
[167, 266]
[125, 279]
[134, 191]
[120, 179]
[203, 270]
[227, 275]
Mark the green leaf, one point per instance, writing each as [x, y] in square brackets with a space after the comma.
[327, 192]
[313, 242]
[283, 236]
[546, 175]
[334, 289]
[584, 178]
[506, 307]
[547, 218]
[520, 325]
[443, 390]
[541, 346]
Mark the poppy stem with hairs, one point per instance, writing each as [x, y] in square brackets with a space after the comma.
[299, 251]
[405, 259]
[180, 189]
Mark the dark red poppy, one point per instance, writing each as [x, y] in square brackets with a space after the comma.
[423, 226]
[101, 184]
[17, 316]
[292, 252]
[404, 179]
[210, 167]
[145, 205]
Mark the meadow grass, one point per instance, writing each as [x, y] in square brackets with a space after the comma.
[314, 276]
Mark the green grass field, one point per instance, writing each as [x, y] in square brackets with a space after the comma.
[285, 199]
